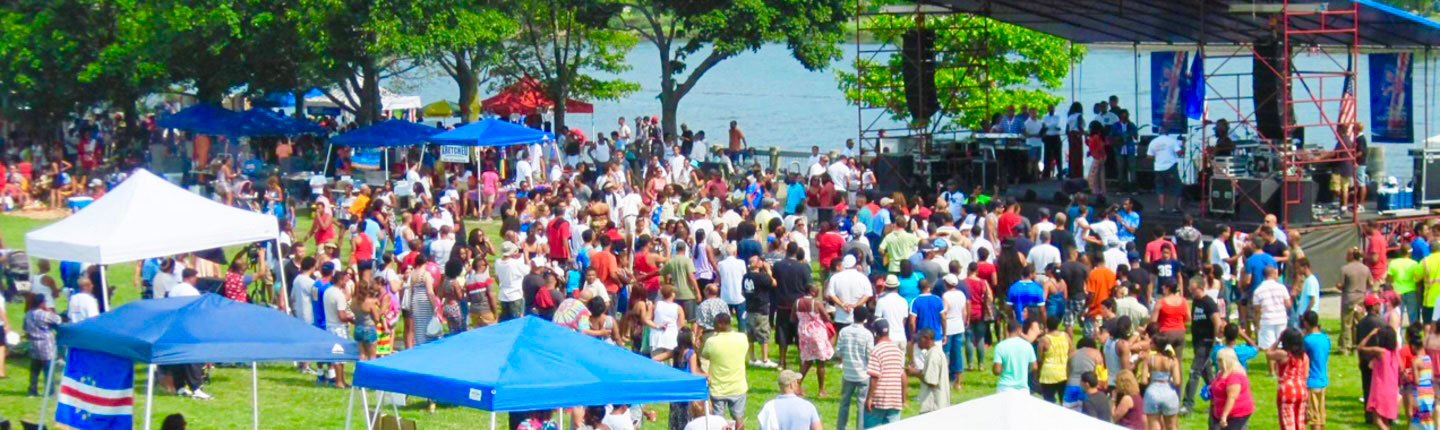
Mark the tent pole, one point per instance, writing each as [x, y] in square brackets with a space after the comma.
[365, 406]
[104, 292]
[329, 147]
[492, 420]
[149, 394]
[255, 395]
[45, 397]
[349, 409]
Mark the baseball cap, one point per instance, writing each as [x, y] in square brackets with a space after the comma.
[788, 377]
[880, 327]
[509, 248]
[1372, 300]
[941, 244]
[927, 246]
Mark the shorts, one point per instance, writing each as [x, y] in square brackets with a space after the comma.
[736, 406]
[689, 307]
[757, 326]
[1243, 295]
[366, 334]
[1074, 310]
[1268, 335]
[1315, 408]
[1074, 397]
[1167, 182]
[787, 330]
[340, 330]
[1161, 399]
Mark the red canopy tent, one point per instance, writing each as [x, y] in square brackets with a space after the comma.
[526, 97]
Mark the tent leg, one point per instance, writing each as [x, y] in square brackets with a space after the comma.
[149, 395]
[365, 406]
[45, 397]
[492, 420]
[328, 149]
[255, 395]
[104, 292]
[349, 409]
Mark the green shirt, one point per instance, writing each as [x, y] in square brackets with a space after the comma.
[726, 353]
[1402, 275]
[1014, 355]
[679, 270]
[898, 246]
[1428, 271]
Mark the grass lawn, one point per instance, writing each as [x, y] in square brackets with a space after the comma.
[289, 399]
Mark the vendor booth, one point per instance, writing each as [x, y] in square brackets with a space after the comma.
[193, 330]
[1008, 410]
[527, 364]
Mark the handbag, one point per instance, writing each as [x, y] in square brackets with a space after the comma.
[433, 328]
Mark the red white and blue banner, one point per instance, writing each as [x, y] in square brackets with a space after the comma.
[1167, 88]
[1391, 97]
[97, 391]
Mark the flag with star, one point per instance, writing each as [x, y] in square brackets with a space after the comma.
[96, 392]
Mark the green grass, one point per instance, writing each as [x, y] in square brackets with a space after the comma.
[289, 399]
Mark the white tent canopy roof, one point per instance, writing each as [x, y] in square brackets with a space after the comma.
[146, 217]
[1011, 410]
[388, 100]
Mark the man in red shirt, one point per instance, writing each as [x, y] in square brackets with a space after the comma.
[605, 265]
[828, 243]
[558, 236]
[1376, 250]
[1155, 248]
[1005, 226]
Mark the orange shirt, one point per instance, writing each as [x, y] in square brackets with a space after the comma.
[1099, 285]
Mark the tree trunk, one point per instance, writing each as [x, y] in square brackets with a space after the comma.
[133, 135]
[669, 106]
[299, 104]
[469, 89]
[370, 102]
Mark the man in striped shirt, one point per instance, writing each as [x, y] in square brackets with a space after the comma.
[887, 392]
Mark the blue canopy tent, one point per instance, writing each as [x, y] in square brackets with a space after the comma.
[264, 122]
[387, 134]
[527, 364]
[491, 132]
[202, 119]
[285, 99]
[189, 330]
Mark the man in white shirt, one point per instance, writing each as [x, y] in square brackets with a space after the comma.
[510, 271]
[840, 173]
[624, 135]
[1043, 254]
[1271, 300]
[186, 287]
[523, 170]
[814, 157]
[302, 291]
[1114, 256]
[83, 305]
[892, 308]
[1220, 255]
[978, 242]
[1033, 128]
[1166, 150]
[847, 289]
[819, 167]
[165, 278]
[1051, 136]
[732, 276]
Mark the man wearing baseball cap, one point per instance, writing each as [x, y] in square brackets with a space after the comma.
[789, 411]
[510, 271]
[847, 290]
[888, 390]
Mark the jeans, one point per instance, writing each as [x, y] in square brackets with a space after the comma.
[852, 390]
[1199, 368]
[1411, 303]
[739, 311]
[955, 346]
[37, 370]
[879, 417]
[1126, 170]
[977, 342]
[511, 310]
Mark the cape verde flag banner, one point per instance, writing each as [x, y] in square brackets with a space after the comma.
[97, 391]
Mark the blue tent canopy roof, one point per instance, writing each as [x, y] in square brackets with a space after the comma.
[1191, 21]
[264, 122]
[491, 132]
[202, 118]
[204, 329]
[528, 364]
[394, 132]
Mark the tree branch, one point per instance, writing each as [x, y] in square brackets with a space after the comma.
[715, 57]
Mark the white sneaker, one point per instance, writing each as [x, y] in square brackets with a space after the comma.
[770, 364]
[200, 394]
[183, 392]
[756, 363]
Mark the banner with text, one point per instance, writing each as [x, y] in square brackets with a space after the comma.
[455, 154]
[1391, 118]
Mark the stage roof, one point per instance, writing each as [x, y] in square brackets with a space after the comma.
[1190, 21]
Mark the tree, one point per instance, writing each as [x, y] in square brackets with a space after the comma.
[560, 42]
[464, 38]
[982, 66]
[684, 30]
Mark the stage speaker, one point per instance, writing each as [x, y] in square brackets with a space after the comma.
[1266, 87]
[1427, 182]
[1222, 196]
[918, 70]
[894, 173]
[1269, 194]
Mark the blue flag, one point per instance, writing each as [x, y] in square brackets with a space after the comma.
[1195, 89]
[97, 391]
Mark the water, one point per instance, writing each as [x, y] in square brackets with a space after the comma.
[779, 103]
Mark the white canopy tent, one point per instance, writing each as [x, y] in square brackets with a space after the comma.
[388, 100]
[1011, 410]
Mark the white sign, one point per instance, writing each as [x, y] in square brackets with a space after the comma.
[455, 154]
[477, 394]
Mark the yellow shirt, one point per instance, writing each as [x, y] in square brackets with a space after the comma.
[357, 207]
[1429, 271]
[726, 353]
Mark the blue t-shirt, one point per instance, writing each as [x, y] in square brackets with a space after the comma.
[1243, 352]
[748, 248]
[926, 310]
[1419, 249]
[1024, 294]
[317, 303]
[1132, 219]
[1317, 347]
[1255, 265]
[910, 286]
[149, 268]
[794, 196]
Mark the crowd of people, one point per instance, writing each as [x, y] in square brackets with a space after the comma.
[707, 262]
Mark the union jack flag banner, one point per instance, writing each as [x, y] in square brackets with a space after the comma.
[97, 391]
